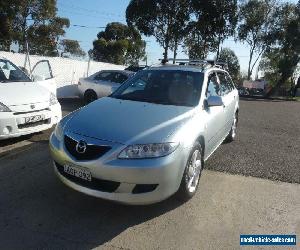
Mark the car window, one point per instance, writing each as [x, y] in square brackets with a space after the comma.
[11, 73]
[104, 76]
[213, 87]
[120, 78]
[230, 82]
[168, 87]
[225, 85]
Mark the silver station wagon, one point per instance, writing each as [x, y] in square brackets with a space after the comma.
[150, 138]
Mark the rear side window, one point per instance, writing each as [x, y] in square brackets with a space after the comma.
[120, 78]
[226, 86]
[213, 87]
[104, 76]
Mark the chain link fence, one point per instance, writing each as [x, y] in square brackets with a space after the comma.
[65, 70]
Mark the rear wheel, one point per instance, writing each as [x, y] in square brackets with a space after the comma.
[232, 134]
[191, 176]
[90, 96]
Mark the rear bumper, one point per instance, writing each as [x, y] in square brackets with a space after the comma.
[165, 173]
[12, 124]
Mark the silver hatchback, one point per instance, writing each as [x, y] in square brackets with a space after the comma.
[150, 138]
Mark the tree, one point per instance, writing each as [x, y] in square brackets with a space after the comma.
[119, 44]
[35, 11]
[214, 21]
[71, 47]
[228, 56]
[44, 38]
[165, 20]
[281, 59]
[254, 27]
[7, 13]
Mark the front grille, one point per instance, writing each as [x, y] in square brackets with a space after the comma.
[32, 111]
[33, 124]
[96, 184]
[92, 151]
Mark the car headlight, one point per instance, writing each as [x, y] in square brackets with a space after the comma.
[58, 132]
[4, 108]
[153, 150]
[53, 99]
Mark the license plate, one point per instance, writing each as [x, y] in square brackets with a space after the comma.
[78, 172]
[32, 119]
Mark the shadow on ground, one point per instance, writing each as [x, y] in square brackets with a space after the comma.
[38, 211]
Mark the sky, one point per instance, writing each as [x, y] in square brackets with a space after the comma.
[96, 14]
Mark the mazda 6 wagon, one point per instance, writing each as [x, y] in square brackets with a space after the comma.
[150, 138]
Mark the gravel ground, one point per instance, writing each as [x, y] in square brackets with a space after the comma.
[267, 145]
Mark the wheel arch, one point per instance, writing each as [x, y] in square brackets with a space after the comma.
[201, 140]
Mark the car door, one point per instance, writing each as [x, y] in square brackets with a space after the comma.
[102, 83]
[42, 74]
[228, 96]
[214, 116]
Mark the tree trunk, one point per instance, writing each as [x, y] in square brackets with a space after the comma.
[166, 48]
[175, 52]
[249, 65]
[219, 44]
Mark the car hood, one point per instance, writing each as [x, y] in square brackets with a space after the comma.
[19, 93]
[128, 122]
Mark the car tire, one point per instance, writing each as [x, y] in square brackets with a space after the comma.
[232, 134]
[192, 173]
[90, 96]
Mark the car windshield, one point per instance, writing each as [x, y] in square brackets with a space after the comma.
[11, 73]
[168, 87]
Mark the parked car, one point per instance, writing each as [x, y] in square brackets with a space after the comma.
[102, 84]
[25, 106]
[150, 138]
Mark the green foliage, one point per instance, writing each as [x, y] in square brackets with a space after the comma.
[214, 22]
[281, 59]
[36, 22]
[254, 27]
[165, 20]
[228, 56]
[44, 38]
[71, 47]
[119, 44]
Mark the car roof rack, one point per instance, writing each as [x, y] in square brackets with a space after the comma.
[196, 62]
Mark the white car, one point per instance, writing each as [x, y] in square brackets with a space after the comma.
[27, 107]
[102, 84]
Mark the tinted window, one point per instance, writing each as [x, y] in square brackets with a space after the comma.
[213, 87]
[11, 73]
[120, 78]
[169, 87]
[104, 76]
[225, 85]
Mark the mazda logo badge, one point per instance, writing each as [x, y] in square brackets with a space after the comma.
[32, 106]
[81, 147]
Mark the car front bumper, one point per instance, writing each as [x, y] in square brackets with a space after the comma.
[12, 123]
[142, 181]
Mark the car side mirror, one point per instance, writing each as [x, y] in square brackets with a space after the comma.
[214, 101]
[38, 78]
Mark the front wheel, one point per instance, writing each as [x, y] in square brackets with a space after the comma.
[191, 176]
[90, 96]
